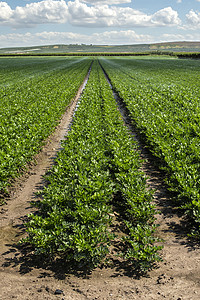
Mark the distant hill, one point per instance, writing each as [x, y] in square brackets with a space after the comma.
[177, 46]
[82, 48]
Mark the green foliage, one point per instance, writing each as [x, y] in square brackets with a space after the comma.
[33, 97]
[98, 160]
[163, 98]
[135, 201]
[141, 250]
[74, 213]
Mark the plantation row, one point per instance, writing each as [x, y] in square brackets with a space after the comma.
[13, 70]
[30, 107]
[96, 177]
[165, 73]
[163, 98]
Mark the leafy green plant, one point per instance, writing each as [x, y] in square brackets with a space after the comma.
[98, 160]
[162, 97]
[31, 106]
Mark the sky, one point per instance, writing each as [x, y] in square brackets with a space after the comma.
[26, 23]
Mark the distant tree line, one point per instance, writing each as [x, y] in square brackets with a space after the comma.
[78, 54]
[192, 55]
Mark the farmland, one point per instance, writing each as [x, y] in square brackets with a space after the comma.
[97, 201]
[163, 100]
[34, 94]
[98, 162]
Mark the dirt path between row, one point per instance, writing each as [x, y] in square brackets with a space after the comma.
[176, 277]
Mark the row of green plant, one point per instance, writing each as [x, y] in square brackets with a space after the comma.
[74, 212]
[167, 111]
[96, 173]
[163, 72]
[133, 199]
[17, 69]
[30, 110]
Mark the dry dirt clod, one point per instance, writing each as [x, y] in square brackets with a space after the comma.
[59, 292]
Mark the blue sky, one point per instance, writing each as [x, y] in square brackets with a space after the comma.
[36, 22]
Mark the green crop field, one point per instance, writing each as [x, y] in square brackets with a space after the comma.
[163, 97]
[34, 94]
[98, 173]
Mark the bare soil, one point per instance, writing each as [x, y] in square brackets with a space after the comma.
[23, 277]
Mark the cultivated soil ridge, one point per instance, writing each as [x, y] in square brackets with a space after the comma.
[176, 277]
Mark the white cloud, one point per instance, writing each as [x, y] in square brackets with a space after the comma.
[83, 15]
[193, 19]
[105, 38]
[172, 37]
[5, 12]
[108, 2]
[180, 37]
[46, 11]
[166, 16]
[121, 37]
[80, 14]
[45, 38]
[106, 16]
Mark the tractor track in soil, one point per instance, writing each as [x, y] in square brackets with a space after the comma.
[176, 277]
